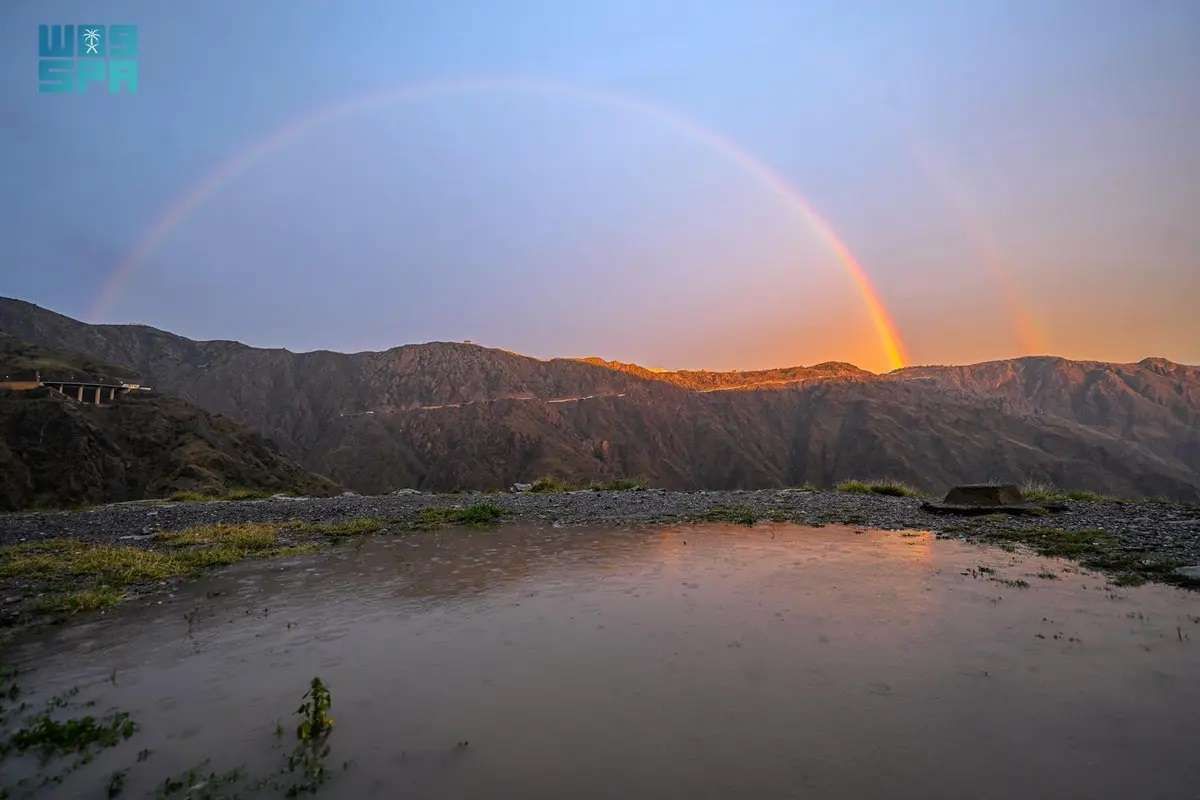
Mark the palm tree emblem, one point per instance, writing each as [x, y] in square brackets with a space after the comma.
[91, 39]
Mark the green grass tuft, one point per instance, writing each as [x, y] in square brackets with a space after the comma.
[618, 485]
[886, 487]
[1035, 492]
[244, 536]
[1094, 549]
[477, 516]
[351, 527]
[738, 515]
[82, 601]
[549, 485]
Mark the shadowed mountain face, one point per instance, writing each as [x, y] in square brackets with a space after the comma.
[56, 451]
[447, 415]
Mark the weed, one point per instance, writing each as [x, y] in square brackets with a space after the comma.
[1092, 548]
[1036, 492]
[244, 536]
[738, 515]
[351, 527]
[549, 485]
[234, 493]
[478, 515]
[60, 559]
[189, 497]
[312, 733]
[315, 721]
[82, 600]
[51, 738]
[618, 485]
[888, 487]
[116, 783]
[1017, 583]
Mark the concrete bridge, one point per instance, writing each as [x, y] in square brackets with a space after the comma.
[82, 391]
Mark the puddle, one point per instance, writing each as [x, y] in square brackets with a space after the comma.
[698, 661]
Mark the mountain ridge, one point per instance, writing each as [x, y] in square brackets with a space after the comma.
[459, 415]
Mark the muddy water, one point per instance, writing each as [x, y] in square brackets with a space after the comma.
[705, 661]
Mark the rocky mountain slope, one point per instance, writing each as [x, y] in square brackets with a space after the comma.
[55, 451]
[445, 415]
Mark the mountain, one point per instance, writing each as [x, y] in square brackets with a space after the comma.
[55, 451]
[447, 415]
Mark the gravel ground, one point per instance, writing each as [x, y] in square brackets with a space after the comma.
[1157, 528]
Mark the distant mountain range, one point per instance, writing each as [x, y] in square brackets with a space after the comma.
[448, 415]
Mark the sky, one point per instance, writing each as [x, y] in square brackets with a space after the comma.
[704, 185]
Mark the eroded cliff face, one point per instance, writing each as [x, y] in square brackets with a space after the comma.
[447, 415]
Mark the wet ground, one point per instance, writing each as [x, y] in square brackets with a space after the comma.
[690, 661]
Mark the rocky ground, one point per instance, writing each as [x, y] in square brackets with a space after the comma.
[1162, 529]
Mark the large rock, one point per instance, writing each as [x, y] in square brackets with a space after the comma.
[983, 494]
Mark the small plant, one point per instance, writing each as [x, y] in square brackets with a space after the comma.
[351, 527]
[189, 496]
[50, 738]
[116, 783]
[478, 515]
[548, 485]
[1017, 583]
[83, 600]
[618, 485]
[1037, 492]
[889, 488]
[315, 721]
[312, 733]
[738, 515]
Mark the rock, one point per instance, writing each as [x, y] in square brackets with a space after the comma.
[983, 494]
[407, 491]
[1192, 572]
[521, 487]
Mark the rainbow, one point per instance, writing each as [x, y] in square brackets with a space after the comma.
[1026, 331]
[885, 329]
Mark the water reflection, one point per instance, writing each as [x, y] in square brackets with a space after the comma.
[704, 661]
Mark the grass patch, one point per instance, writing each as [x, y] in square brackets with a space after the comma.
[1017, 583]
[49, 737]
[1094, 549]
[1035, 492]
[618, 485]
[83, 600]
[887, 487]
[244, 536]
[351, 527]
[550, 485]
[234, 493]
[189, 497]
[737, 515]
[61, 559]
[478, 515]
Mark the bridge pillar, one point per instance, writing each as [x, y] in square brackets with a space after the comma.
[112, 393]
[97, 395]
[80, 397]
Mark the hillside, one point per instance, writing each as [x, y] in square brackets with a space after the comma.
[55, 451]
[443, 415]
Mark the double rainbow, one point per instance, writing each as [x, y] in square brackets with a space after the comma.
[885, 329]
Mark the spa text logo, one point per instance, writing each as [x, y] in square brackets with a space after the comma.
[73, 58]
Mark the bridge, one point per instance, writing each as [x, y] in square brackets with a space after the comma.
[82, 391]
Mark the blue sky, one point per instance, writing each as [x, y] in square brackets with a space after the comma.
[1014, 177]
